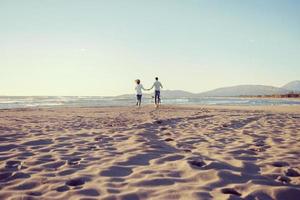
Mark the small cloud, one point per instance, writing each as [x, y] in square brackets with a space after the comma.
[83, 49]
[251, 41]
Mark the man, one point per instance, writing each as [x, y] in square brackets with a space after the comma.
[157, 86]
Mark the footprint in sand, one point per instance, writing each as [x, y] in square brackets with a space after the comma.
[158, 122]
[280, 164]
[259, 144]
[38, 142]
[27, 186]
[283, 179]
[169, 139]
[74, 161]
[54, 165]
[75, 182]
[292, 172]
[13, 165]
[117, 171]
[258, 149]
[163, 128]
[242, 151]
[89, 192]
[4, 148]
[113, 191]
[4, 176]
[230, 191]
[34, 194]
[196, 163]
[63, 188]
[169, 159]
[103, 139]
[19, 175]
[67, 172]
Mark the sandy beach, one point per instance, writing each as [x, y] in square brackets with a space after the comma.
[175, 152]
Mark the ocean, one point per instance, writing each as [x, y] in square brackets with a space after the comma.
[8, 102]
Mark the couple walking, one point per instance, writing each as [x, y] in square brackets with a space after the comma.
[139, 87]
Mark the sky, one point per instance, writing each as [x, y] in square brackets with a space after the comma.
[99, 47]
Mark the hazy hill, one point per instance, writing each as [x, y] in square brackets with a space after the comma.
[244, 90]
[239, 90]
[177, 94]
[293, 86]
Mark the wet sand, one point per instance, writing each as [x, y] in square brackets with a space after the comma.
[175, 152]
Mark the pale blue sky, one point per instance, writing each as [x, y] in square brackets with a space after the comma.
[99, 47]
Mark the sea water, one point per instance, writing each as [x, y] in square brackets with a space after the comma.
[7, 102]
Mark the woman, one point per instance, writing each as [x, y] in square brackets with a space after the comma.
[139, 87]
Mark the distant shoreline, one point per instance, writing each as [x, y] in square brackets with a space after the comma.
[279, 96]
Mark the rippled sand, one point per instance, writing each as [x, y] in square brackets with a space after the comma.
[170, 153]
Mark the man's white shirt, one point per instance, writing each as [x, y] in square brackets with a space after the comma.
[157, 85]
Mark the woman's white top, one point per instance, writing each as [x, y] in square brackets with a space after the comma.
[139, 89]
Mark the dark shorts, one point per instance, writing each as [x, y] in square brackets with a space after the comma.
[139, 97]
[157, 96]
[157, 93]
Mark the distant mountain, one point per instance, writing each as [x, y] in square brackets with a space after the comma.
[293, 86]
[244, 90]
[233, 91]
[177, 94]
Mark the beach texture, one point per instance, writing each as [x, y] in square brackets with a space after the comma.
[174, 152]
